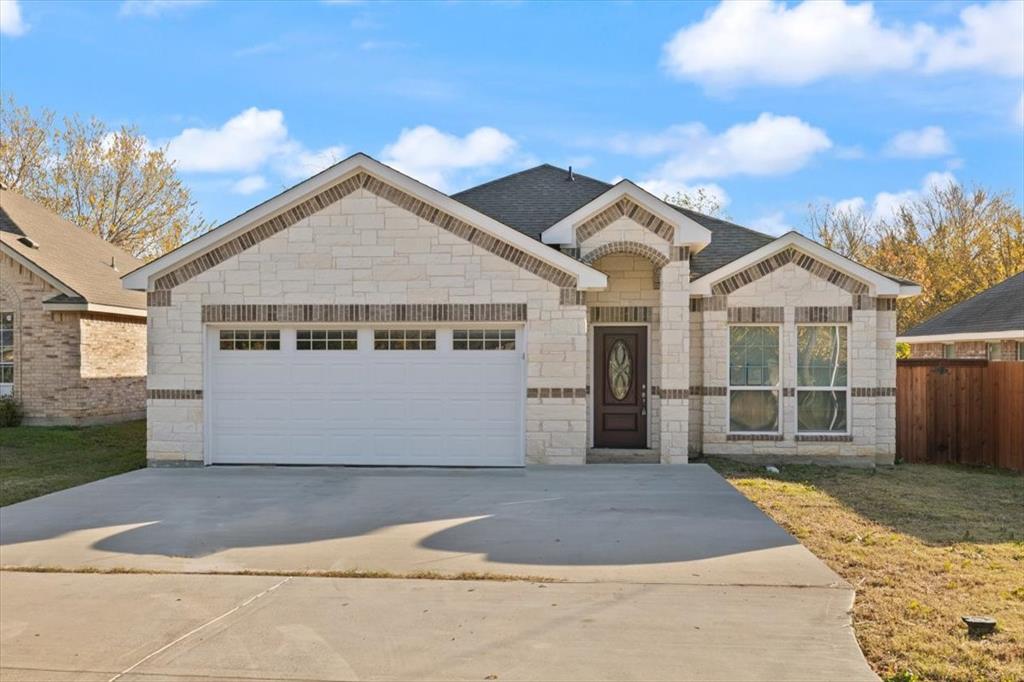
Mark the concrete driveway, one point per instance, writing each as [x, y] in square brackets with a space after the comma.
[660, 573]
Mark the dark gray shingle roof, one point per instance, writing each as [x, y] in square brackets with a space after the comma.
[998, 309]
[535, 199]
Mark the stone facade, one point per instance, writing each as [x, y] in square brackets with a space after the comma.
[70, 367]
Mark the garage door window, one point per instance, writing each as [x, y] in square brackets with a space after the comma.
[250, 339]
[326, 339]
[484, 339]
[404, 339]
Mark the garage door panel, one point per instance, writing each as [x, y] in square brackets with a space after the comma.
[368, 406]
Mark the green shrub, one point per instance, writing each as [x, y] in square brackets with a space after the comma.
[10, 412]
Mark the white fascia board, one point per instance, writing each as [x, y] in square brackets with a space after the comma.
[688, 232]
[880, 285]
[94, 308]
[586, 277]
[25, 262]
[1011, 335]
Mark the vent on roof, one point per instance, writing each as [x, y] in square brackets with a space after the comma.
[571, 178]
[113, 266]
[28, 242]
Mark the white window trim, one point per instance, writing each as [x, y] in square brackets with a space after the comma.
[797, 387]
[950, 347]
[7, 387]
[777, 387]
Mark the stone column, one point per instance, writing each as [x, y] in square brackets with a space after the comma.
[885, 403]
[673, 381]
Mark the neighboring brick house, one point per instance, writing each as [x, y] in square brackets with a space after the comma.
[362, 317]
[989, 326]
[72, 339]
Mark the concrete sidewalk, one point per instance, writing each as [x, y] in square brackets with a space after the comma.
[136, 627]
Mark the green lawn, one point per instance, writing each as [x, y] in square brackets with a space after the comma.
[923, 545]
[35, 460]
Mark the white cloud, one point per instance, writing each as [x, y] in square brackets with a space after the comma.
[885, 204]
[249, 184]
[990, 38]
[771, 42]
[928, 141]
[253, 140]
[155, 8]
[431, 156]
[770, 145]
[774, 224]
[662, 188]
[11, 23]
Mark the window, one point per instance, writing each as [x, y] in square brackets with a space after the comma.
[404, 339]
[948, 351]
[326, 339]
[484, 339]
[822, 379]
[1020, 351]
[992, 351]
[754, 379]
[250, 339]
[6, 348]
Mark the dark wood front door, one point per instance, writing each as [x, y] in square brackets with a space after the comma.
[620, 387]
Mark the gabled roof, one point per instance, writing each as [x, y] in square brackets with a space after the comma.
[533, 200]
[74, 261]
[995, 310]
[586, 277]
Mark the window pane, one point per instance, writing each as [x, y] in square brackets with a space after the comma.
[483, 339]
[6, 374]
[753, 356]
[754, 411]
[821, 411]
[821, 356]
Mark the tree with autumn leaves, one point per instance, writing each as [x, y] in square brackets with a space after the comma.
[108, 181]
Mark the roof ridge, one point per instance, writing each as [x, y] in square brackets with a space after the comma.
[527, 170]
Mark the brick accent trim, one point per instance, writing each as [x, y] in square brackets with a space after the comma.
[174, 394]
[873, 392]
[547, 392]
[572, 297]
[775, 314]
[886, 304]
[622, 314]
[785, 257]
[824, 314]
[826, 438]
[788, 392]
[720, 391]
[707, 304]
[158, 299]
[624, 207]
[361, 312]
[774, 437]
[680, 253]
[656, 257]
[336, 193]
[670, 393]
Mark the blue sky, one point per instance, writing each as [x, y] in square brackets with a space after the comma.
[769, 105]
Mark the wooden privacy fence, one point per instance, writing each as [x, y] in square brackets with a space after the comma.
[960, 412]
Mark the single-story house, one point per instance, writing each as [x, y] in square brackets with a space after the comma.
[362, 317]
[72, 339]
[988, 326]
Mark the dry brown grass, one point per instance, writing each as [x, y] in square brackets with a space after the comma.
[923, 545]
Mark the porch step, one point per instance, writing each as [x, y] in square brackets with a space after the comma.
[617, 456]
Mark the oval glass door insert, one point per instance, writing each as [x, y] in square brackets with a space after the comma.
[620, 370]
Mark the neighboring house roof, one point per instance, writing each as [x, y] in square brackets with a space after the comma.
[535, 199]
[997, 312]
[76, 262]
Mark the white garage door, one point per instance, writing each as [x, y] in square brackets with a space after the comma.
[411, 396]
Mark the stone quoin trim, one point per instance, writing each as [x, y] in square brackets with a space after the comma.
[764, 314]
[785, 257]
[174, 394]
[572, 297]
[622, 314]
[754, 436]
[556, 392]
[363, 312]
[670, 393]
[158, 299]
[823, 438]
[624, 207]
[339, 191]
[708, 304]
[823, 314]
